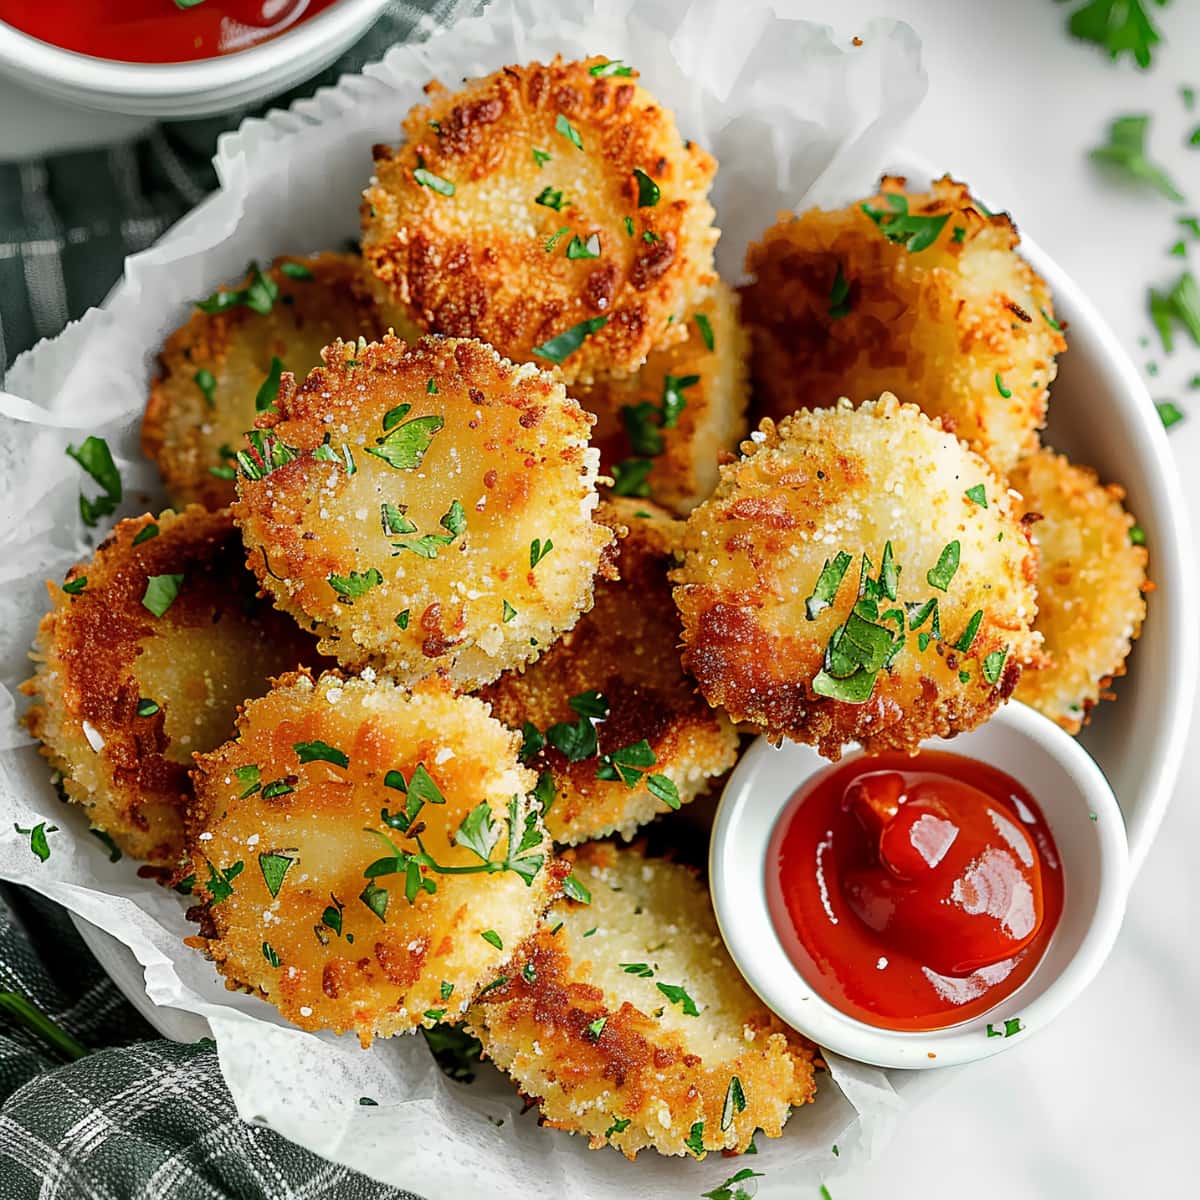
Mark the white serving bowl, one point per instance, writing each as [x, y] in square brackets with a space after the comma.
[188, 89]
[1084, 819]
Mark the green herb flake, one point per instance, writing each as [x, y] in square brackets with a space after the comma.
[319, 751]
[1137, 535]
[259, 295]
[729, 1190]
[331, 918]
[37, 839]
[355, 585]
[977, 495]
[375, 898]
[538, 550]
[94, 456]
[446, 990]
[435, 183]
[993, 665]
[540, 157]
[573, 889]
[706, 330]
[114, 851]
[959, 235]
[640, 969]
[552, 240]
[268, 952]
[631, 477]
[146, 707]
[941, 575]
[206, 381]
[549, 197]
[604, 70]
[596, 1027]
[664, 789]
[1126, 153]
[839, 295]
[563, 126]
[898, 225]
[1168, 413]
[160, 593]
[695, 1140]
[75, 587]
[274, 867]
[678, 995]
[219, 884]
[402, 619]
[826, 588]
[577, 247]
[965, 642]
[628, 226]
[1005, 392]
[492, 938]
[268, 393]
[277, 788]
[566, 343]
[1050, 321]
[619, 1125]
[648, 191]
[403, 447]
[250, 777]
[296, 270]
[145, 534]
[735, 1102]
[507, 613]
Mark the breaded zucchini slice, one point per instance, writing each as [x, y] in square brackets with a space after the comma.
[217, 370]
[424, 508]
[608, 710]
[920, 294]
[859, 575]
[550, 210]
[143, 659]
[662, 431]
[1091, 586]
[319, 838]
[629, 1023]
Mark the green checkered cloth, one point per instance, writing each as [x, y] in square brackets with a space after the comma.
[137, 1118]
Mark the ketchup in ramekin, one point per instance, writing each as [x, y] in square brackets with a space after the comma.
[157, 31]
[914, 893]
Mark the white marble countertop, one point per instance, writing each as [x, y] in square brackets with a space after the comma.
[1102, 1106]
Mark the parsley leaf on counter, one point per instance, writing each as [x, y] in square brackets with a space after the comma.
[1126, 151]
[1118, 26]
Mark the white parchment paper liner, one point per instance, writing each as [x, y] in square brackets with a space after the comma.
[793, 119]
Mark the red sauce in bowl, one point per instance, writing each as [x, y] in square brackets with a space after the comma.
[914, 893]
[157, 31]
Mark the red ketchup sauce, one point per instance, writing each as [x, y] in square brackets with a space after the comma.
[914, 893]
[157, 31]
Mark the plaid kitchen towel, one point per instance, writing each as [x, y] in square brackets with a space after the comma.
[94, 1106]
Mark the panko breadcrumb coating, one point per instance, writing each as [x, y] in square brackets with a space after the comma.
[625, 649]
[552, 211]
[212, 369]
[312, 838]
[425, 508]
[628, 1022]
[858, 575]
[668, 425]
[930, 301]
[1091, 585]
[123, 696]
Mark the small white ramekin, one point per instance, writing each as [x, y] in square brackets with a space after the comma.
[1083, 817]
[189, 89]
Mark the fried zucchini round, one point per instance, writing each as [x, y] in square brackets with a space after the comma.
[425, 508]
[317, 838]
[661, 743]
[662, 431]
[213, 369]
[143, 661]
[548, 210]
[1091, 585]
[928, 299]
[627, 1020]
[859, 575]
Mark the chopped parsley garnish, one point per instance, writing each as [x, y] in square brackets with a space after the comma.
[628, 226]
[219, 884]
[619, 1125]
[434, 1014]
[977, 495]
[678, 995]
[566, 343]
[1137, 535]
[590, 704]
[578, 248]
[965, 642]
[627, 764]
[96, 459]
[393, 520]
[1051, 321]
[403, 445]
[640, 969]
[993, 664]
[573, 889]
[941, 575]
[454, 521]
[277, 788]
[435, 183]
[266, 454]
[695, 1140]
[529, 972]
[706, 330]
[538, 550]
[207, 383]
[145, 534]
[507, 613]
[1181, 304]
[331, 918]
[603, 70]
[825, 590]
[898, 225]
[319, 751]
[729, 1190]
[259, 295]
[960, 235]
[1126, 152]
[1118, 26]
[114, 851]
[492, 938]
[355, 585]
[274, 867]
[735, 1102]
[544, 791]
[446, 990]
[540, 157]
[630, 477]
[1168, 413]
[326, 453]
[663, 788]
[74, 587]
[596, 1027]
[37, 839]
[268, 393]
[375, 898]
[575, 740]
[268, 952]
[552, 240]
[563, 126]
[548, 197]
[531, 741]
[402, 619]
[839, 295]
[1005, 392]
[648, 191]
[160, 593]
[1011, 1026]
[251, 779]
[295, 270]
[146, 708]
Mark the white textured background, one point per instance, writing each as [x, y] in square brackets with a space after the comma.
[1103, 1106]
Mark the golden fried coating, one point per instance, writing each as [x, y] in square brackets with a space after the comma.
[682, 410]
[627, 1020]
[625, 649]
[318, 837]
[1091, 585]
[212, 368]
[858, 575]
[125, 696]
[930, 301]
[425, 507]
[548, 210]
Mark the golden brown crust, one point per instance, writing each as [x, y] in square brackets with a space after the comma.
[101, 652]
[185, 434]
[475, 263]
[293, 923]
[606, 1052]
[626, 648]
[949, 328]
[713, 419]
[431, 586]
[1091, 585]
[852, 481]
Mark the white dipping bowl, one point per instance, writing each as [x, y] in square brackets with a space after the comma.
[1082, 814]
[188, 89]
